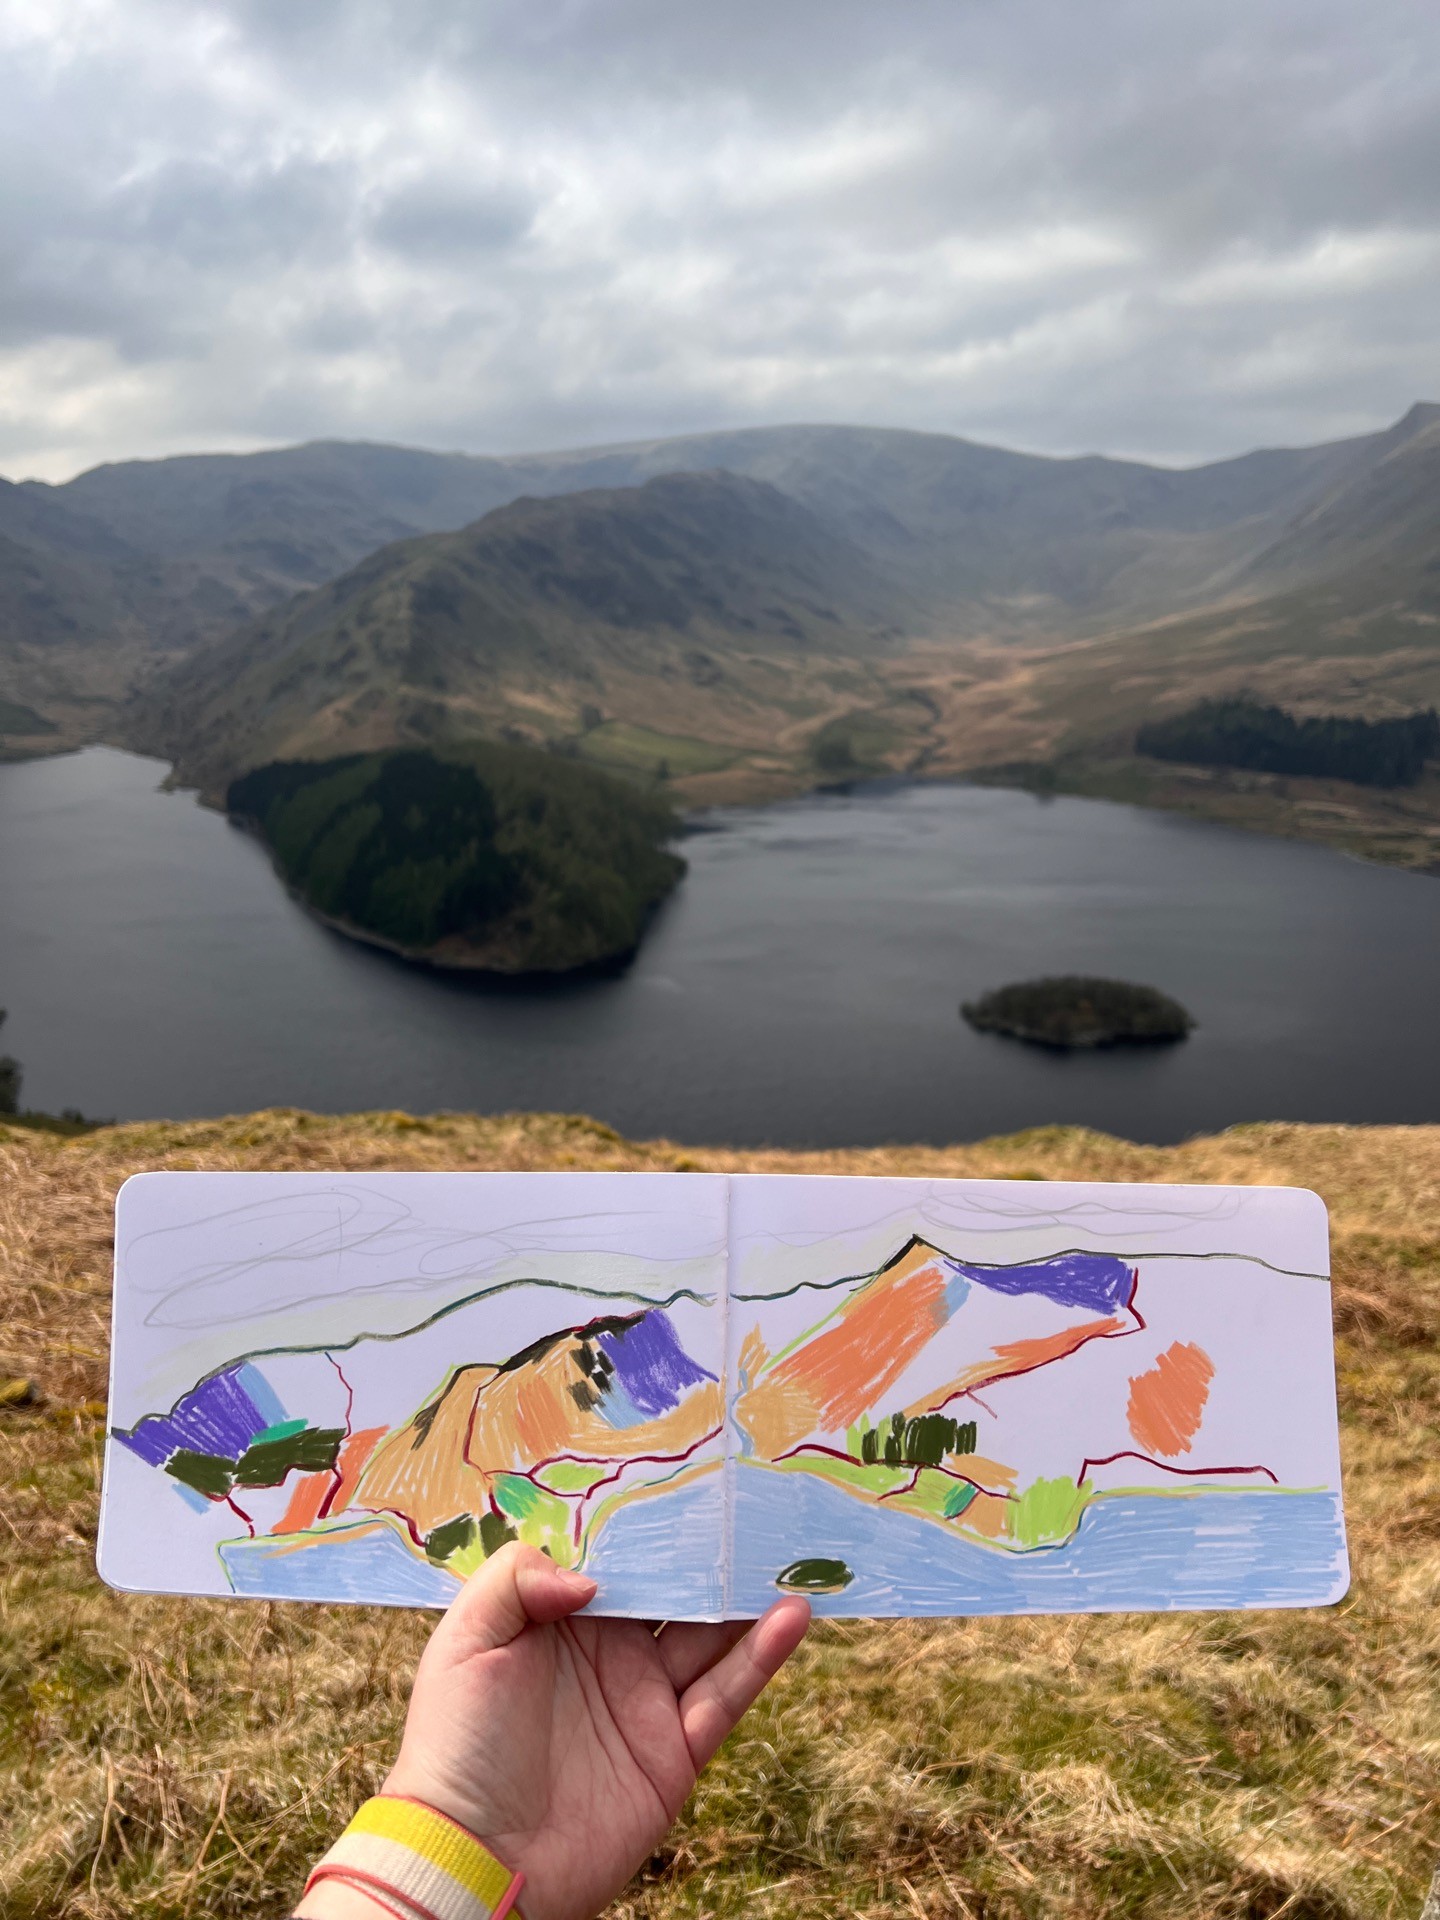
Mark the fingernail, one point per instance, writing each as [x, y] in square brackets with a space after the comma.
[579, 1582]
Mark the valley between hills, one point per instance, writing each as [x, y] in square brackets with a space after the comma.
[741, 616]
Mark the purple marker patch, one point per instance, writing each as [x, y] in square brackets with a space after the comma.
[1099, 1282]
[218, 1417]
[650, 1363]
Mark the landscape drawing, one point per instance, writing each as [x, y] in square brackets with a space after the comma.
[894, 1396]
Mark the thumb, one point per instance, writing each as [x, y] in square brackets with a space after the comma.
[515, 1588]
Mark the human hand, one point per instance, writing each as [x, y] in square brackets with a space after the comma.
[569, 1745]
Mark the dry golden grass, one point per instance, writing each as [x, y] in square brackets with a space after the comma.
[165, 1758]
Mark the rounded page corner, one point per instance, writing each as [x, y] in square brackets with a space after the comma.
[1313, 1211]
[109, 1576]
[129, 1190]
[1344, 1580]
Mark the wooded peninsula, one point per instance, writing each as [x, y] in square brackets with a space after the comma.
[497, 858]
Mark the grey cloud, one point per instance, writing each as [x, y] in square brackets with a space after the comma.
[207, 213]
[1171, 230]
[451, 220]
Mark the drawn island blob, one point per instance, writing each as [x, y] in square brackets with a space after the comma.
[814, 1576]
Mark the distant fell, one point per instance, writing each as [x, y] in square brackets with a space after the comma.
[991, 609]
[168, 553]
[1377, 515]
[692, 592]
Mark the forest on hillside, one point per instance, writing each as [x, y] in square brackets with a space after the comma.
[1242, 733]
[489, 856]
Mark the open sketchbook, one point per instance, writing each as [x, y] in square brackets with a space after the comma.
[897, 1396]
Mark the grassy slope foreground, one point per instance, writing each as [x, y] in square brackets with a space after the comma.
[488, 856]
[169, 1758]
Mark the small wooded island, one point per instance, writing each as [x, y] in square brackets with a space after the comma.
[1072, 1010]
[496, 858]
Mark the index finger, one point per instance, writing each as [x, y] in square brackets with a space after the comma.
[711, 1705]
[687, 1648]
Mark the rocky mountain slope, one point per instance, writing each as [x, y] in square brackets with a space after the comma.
[695, 598]
[99, 574]
[902, 602]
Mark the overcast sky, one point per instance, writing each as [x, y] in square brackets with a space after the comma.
[1168, 228]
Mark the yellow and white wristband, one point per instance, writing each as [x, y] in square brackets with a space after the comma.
[419, 1864]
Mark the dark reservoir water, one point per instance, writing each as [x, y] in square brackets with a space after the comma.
[801, 988]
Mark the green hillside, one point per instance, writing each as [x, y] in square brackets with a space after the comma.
[489, 857]
[696, 605]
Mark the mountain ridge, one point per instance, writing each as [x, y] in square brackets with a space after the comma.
[977, 588]
[524, 619]
[189, 546]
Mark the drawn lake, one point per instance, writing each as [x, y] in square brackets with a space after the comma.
[1222, 1548]
[800, 989]
[1205, 1549]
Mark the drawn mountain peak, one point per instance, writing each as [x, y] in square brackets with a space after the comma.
[615, 1390]
[881, 1345]
[526, 1438]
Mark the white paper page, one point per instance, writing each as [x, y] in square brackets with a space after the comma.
[972, 1397]
[349, 1386]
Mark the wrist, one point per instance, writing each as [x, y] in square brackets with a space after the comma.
[340, 1900]
[409, 1860]
[423, 1788]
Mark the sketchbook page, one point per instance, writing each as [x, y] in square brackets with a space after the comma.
[355, 1386]
[976, 1397]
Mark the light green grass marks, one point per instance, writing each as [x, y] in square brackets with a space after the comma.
[1047, 1512]
[572, 1476]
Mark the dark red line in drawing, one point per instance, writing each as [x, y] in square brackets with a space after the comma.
[967, 1393]
[337, 1478]
[1051, 1360]
[607, 1459]
[240, 1513]
[969, 1480]
[533, 1473]
[410, 1527]
[1190, 1473]
[814, 1446]
[638, 1459]
[349, 1391]
[649, 1460]
[951, 1473]
[1019, 1373]
[1130, 1303]
[470, 1431]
